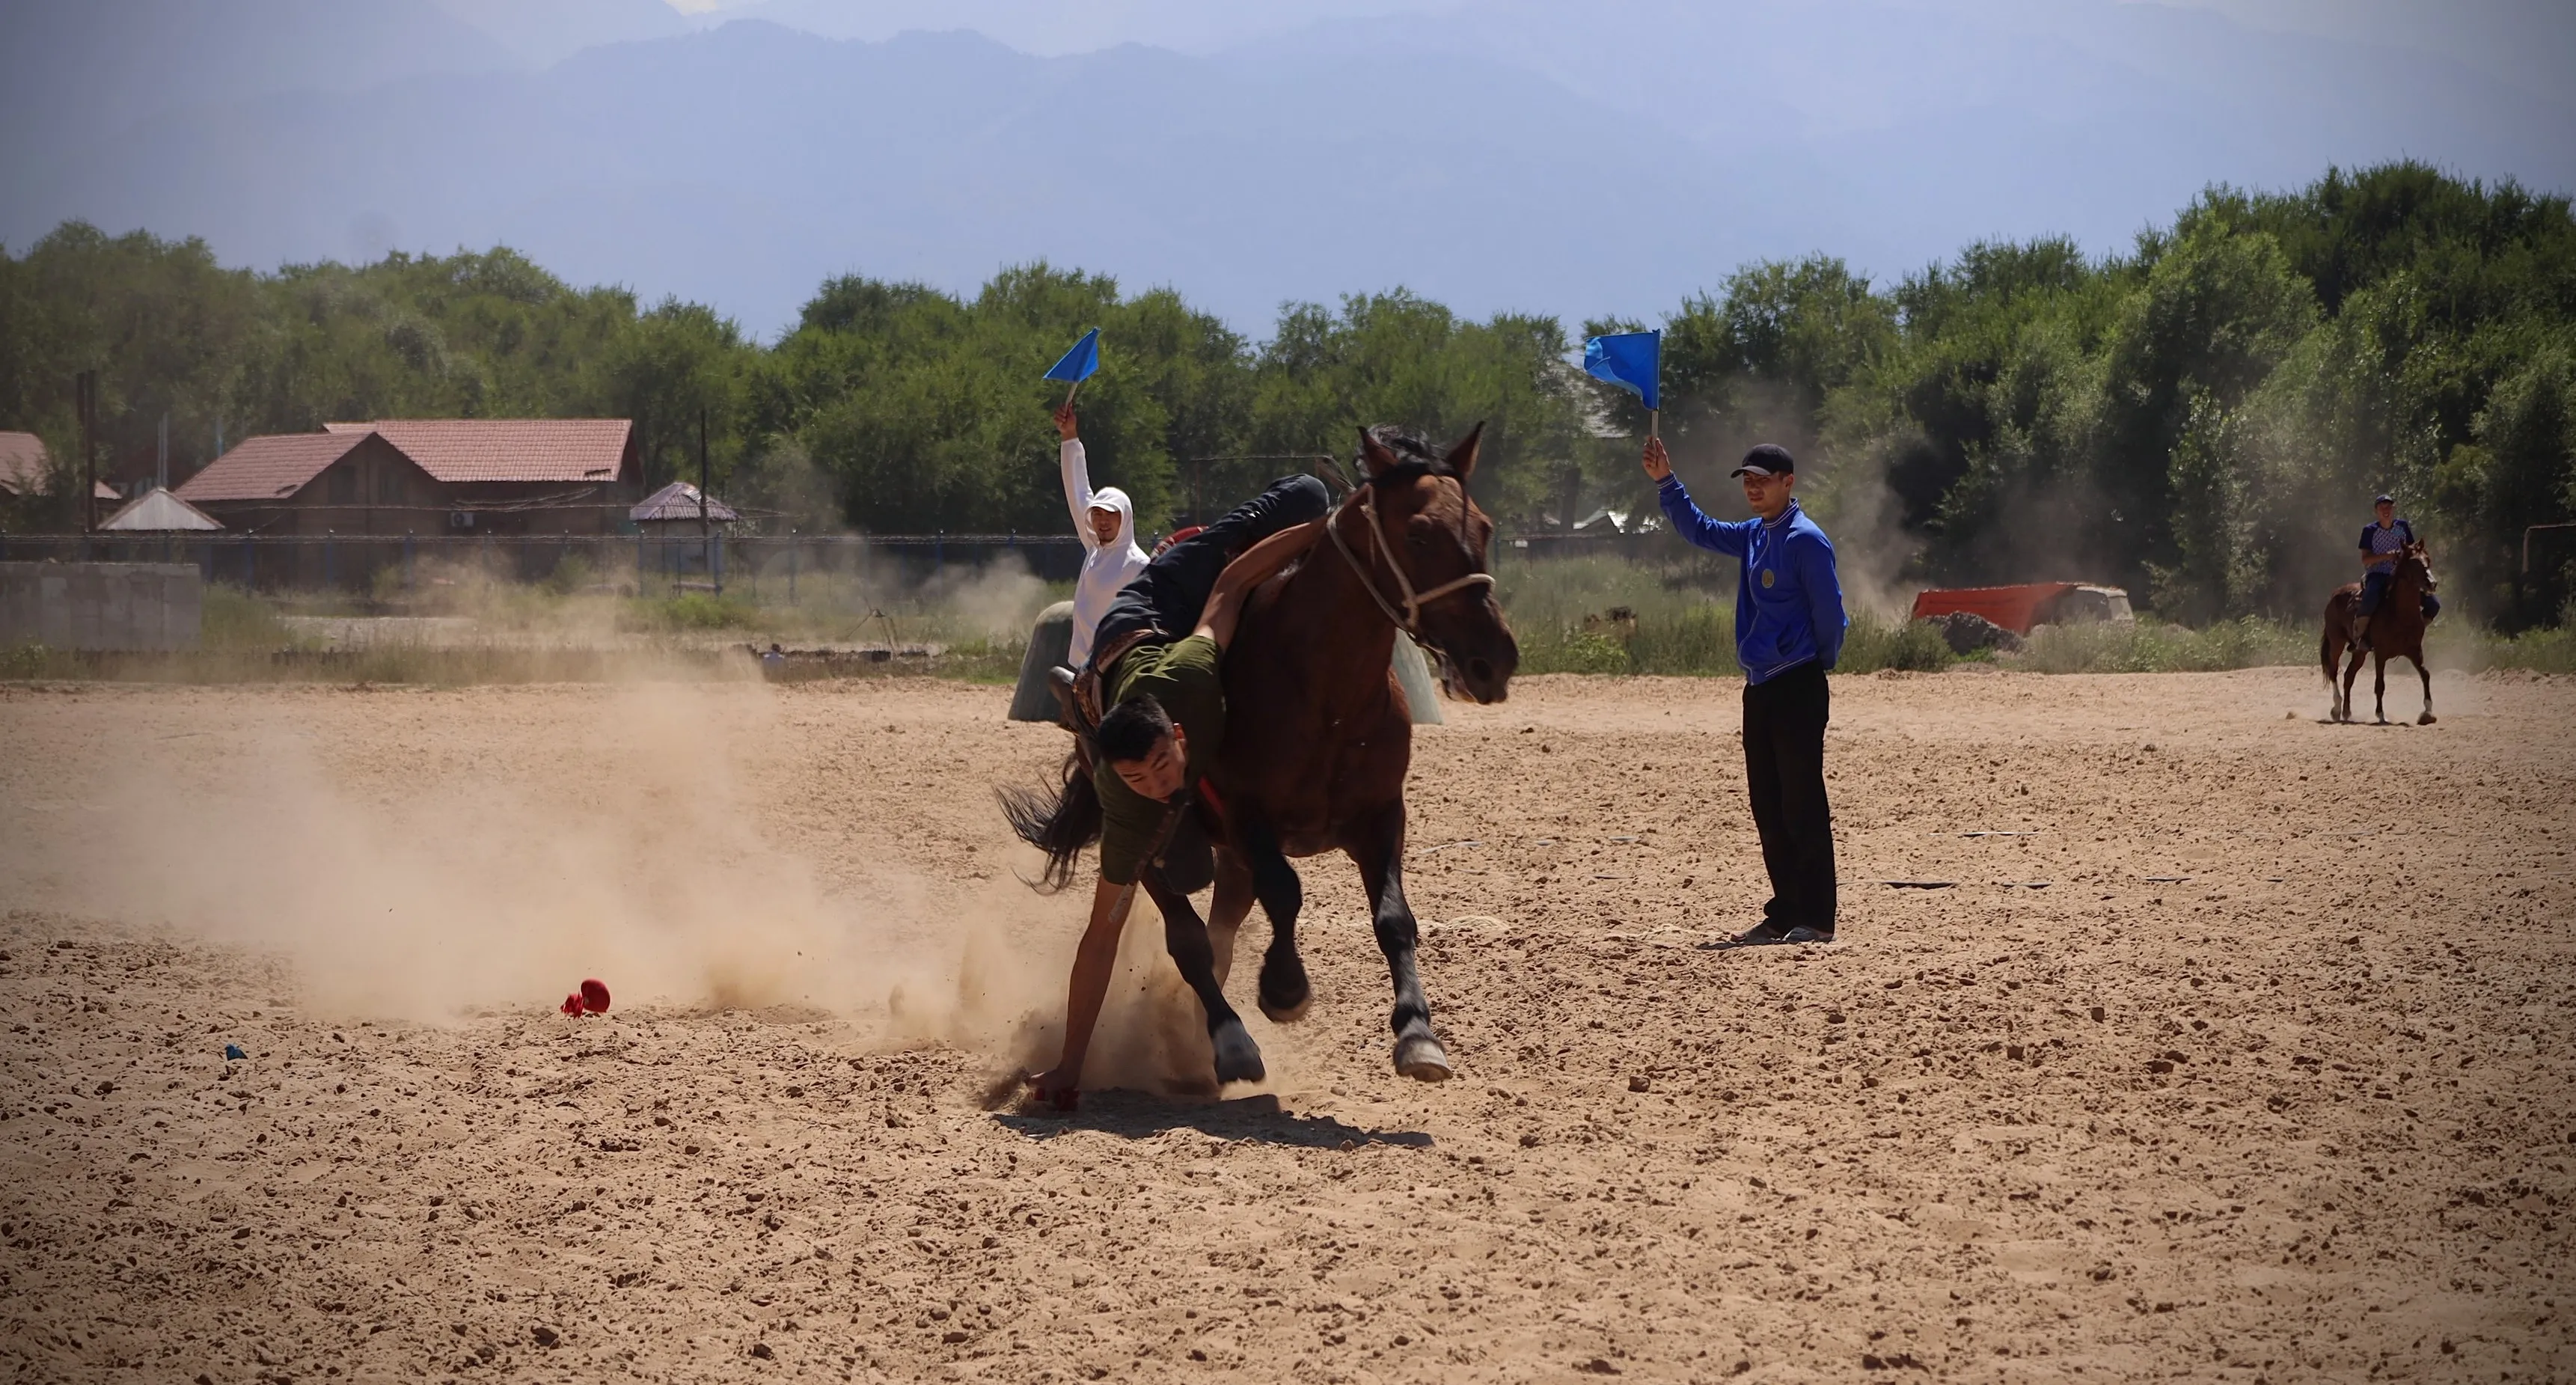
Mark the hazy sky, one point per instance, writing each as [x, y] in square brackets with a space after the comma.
[2529, 41]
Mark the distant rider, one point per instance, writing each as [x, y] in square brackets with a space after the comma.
[2381, 542]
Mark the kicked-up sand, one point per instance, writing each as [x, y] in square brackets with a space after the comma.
[2210, 1042]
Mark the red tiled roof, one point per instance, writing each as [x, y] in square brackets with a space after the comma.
[506, 449]
[268, 468]
[22, 463]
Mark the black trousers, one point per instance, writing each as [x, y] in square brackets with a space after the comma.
[1784, 768]
[1168, 594]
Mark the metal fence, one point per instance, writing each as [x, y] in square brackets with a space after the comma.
[771, 568]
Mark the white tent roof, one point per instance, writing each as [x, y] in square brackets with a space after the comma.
[157, 511]
[679, 501]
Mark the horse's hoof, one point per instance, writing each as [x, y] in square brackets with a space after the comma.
[1421, 1058]
[2424, 720]
[1285, 994]
[1238, 1059]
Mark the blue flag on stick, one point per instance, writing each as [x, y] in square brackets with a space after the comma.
[1079, 363]
[1631, 360]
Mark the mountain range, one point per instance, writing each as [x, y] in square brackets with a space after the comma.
[1606, 158]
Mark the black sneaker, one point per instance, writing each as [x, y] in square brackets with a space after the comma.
[1767, 931]
[1804, 933]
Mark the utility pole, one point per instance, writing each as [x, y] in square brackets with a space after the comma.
[85, 402]
[706, 534]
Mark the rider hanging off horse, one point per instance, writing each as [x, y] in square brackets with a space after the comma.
[1272, 727]
[2382, 616]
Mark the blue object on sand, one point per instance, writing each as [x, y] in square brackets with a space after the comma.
[232, 1052]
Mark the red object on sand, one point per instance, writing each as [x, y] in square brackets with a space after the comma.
[572, 1004]
[594, 997]
[2014, 608]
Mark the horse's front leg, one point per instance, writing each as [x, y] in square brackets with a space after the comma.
[2427, 675]
[1238, 1059]
[1378, 850]
[1227, 910]
[1285, 993]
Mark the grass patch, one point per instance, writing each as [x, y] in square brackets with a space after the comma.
[233, 620]
[2532, 651]
[2150, 646]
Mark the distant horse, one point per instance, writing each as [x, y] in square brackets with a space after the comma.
[1318, 733]
[2396, 630]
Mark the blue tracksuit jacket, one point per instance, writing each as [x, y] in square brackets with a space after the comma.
[1789, 605]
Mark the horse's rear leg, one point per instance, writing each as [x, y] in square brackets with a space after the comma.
[2351, 671]
[2379, 689]
[1285, 993]
[2427, 675]
[1379, 853]
[1238, 1059]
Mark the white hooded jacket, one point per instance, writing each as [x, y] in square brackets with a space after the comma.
[1106, 567]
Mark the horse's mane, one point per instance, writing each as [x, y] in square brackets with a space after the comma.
[1416, 456]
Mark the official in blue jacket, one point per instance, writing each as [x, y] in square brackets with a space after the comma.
[1789, 627]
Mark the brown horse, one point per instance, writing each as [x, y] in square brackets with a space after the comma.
[2396, 630]
[1318, 734]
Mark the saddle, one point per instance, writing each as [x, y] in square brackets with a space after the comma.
[1078, 694]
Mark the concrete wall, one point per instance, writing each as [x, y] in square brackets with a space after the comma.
[147, 606]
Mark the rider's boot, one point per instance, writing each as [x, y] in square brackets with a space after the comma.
[2361, 632]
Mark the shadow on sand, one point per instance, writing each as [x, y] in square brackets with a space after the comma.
[1138, 1116]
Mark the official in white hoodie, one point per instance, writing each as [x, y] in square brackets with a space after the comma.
[1106, 520]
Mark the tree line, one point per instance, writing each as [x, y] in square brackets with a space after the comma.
[2202, 418]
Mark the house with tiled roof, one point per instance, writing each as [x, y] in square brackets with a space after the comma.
[22, 464]
[398, 477]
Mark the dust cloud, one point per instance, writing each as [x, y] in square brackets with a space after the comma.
[402, 874]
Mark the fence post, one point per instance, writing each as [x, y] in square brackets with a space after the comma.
[791, 567]
[330, 574]
[407, 567]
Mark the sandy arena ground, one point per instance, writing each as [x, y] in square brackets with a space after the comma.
[2269, 1082]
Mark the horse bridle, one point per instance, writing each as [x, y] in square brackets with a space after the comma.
[1410, 622]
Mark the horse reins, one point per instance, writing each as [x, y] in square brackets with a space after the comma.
[1410, 622]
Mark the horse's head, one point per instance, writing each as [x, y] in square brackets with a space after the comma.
[2412, 558]
[1432, 536]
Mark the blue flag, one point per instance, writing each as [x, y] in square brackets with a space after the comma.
[1079, 363]
[1631, 360]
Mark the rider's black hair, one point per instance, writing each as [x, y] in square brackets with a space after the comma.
[1132, 729]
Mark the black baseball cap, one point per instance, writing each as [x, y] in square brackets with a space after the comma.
[1770, 459]
[2385, 500]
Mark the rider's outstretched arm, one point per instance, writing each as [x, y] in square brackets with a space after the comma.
[1087, 989]
[1257, 565]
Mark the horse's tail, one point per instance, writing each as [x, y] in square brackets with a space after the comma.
[1059, 822]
